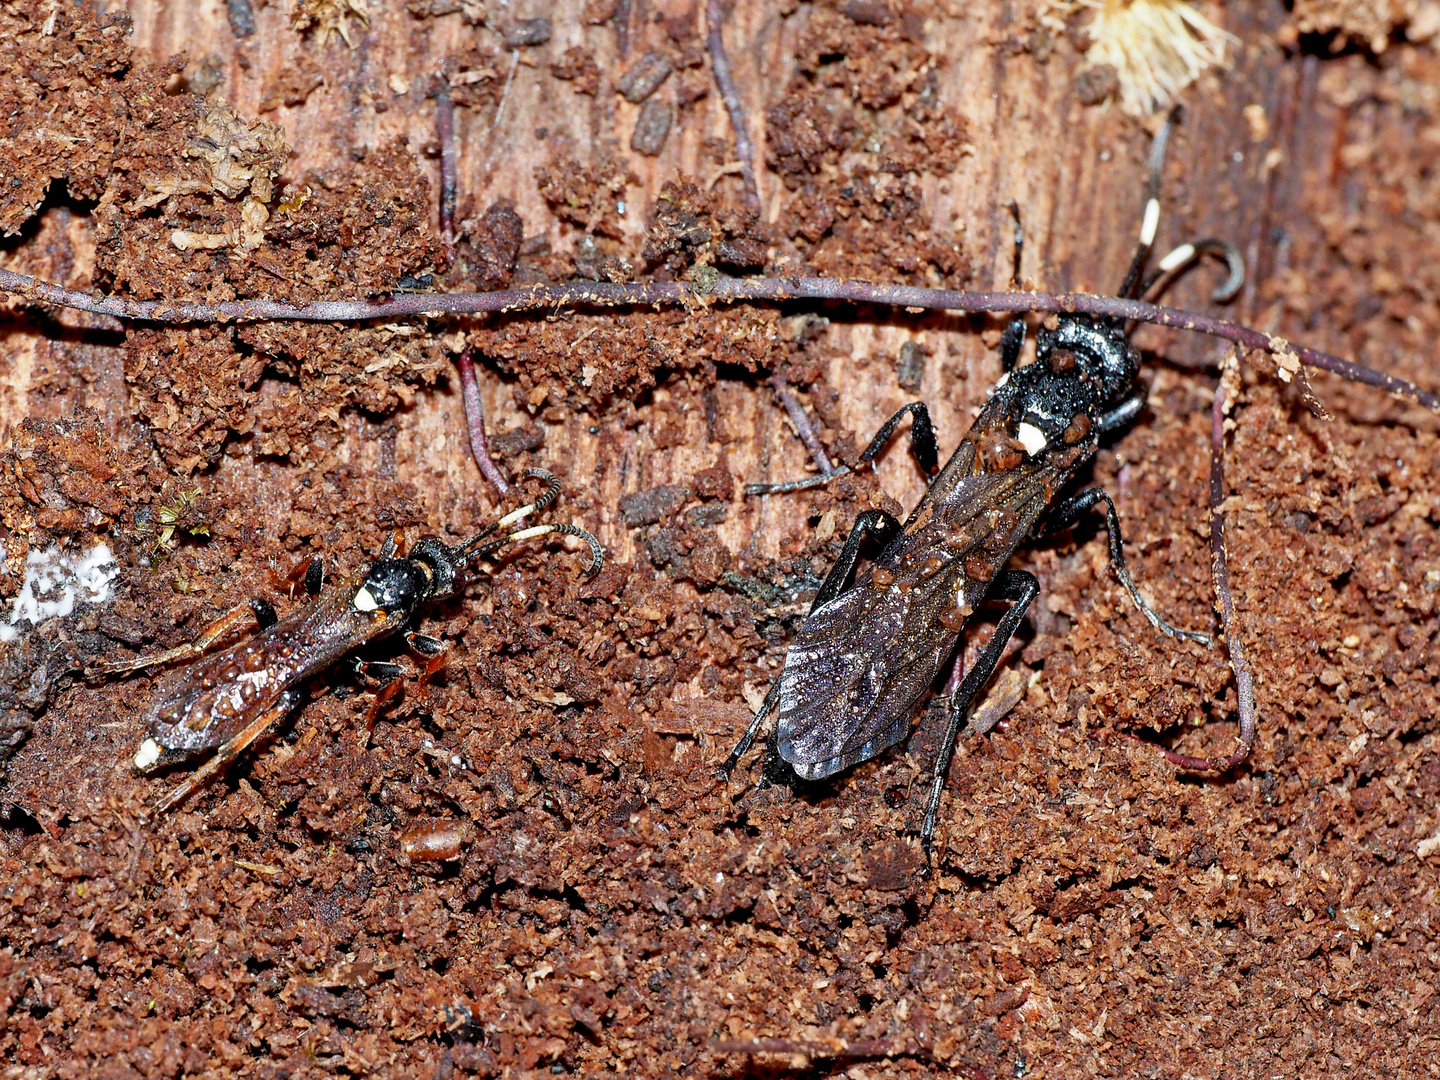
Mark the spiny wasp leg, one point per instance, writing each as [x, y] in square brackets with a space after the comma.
[389, 674]
[436, 654]
[310, 572]
[1020, 587]
[1069, 511]
[256, 610]
[748, 739]
[228, 751]
[922, 446]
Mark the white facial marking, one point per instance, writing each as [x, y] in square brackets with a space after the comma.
[364, 601]
[1002, 380]
[147, 755]
[1152, 222]
[1031, 437]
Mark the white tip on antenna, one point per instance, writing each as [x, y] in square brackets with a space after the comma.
[1177, 258]
[1152, 222]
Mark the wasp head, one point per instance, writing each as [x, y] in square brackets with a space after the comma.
[1099, 349]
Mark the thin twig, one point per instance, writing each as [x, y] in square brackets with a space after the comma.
[803, 427]
[475, 422]
[1219, 572]
[725, 289]
[843, 1049]
[445, 132]
[720, 65]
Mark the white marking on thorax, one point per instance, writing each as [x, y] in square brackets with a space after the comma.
[1032, 438]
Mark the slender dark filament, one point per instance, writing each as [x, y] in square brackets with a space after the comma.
[766, 289]
[1219, 571]
[801, 420]
[475, 422]
[445, 133]
[720, 64]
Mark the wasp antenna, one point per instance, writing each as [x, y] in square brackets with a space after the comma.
[550, 495]
[479, 544]
[392, 544]
[1131, 288]
[1173, 264]
[597, 552]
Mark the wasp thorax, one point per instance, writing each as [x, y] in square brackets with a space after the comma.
[390, 585]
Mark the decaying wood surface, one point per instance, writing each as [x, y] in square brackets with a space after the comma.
[614, 908]
[1076, 172]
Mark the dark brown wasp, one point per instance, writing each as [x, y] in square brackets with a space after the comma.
[870, 651]
[225, 701]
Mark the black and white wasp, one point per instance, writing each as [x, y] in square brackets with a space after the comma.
[870, 651]
[222, 702]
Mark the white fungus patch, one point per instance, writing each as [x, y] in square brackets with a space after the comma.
[55, 581]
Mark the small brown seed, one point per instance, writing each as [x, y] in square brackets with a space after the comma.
[978, 568]
[1078, 429]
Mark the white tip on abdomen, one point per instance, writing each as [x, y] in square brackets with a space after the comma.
[147, 755]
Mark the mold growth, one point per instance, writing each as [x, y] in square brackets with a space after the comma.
[54, 582]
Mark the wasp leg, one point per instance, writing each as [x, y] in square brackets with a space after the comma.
[229, 750]
[389, 677]
[436, 655]
[922, 438]
[255, 608]
[310, 571]
[748, 739]
[1012, 340]
[875, 523]
[1021, 588]
[922, 445]
[1068, 512]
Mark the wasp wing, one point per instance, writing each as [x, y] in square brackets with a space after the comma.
[861, 662]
